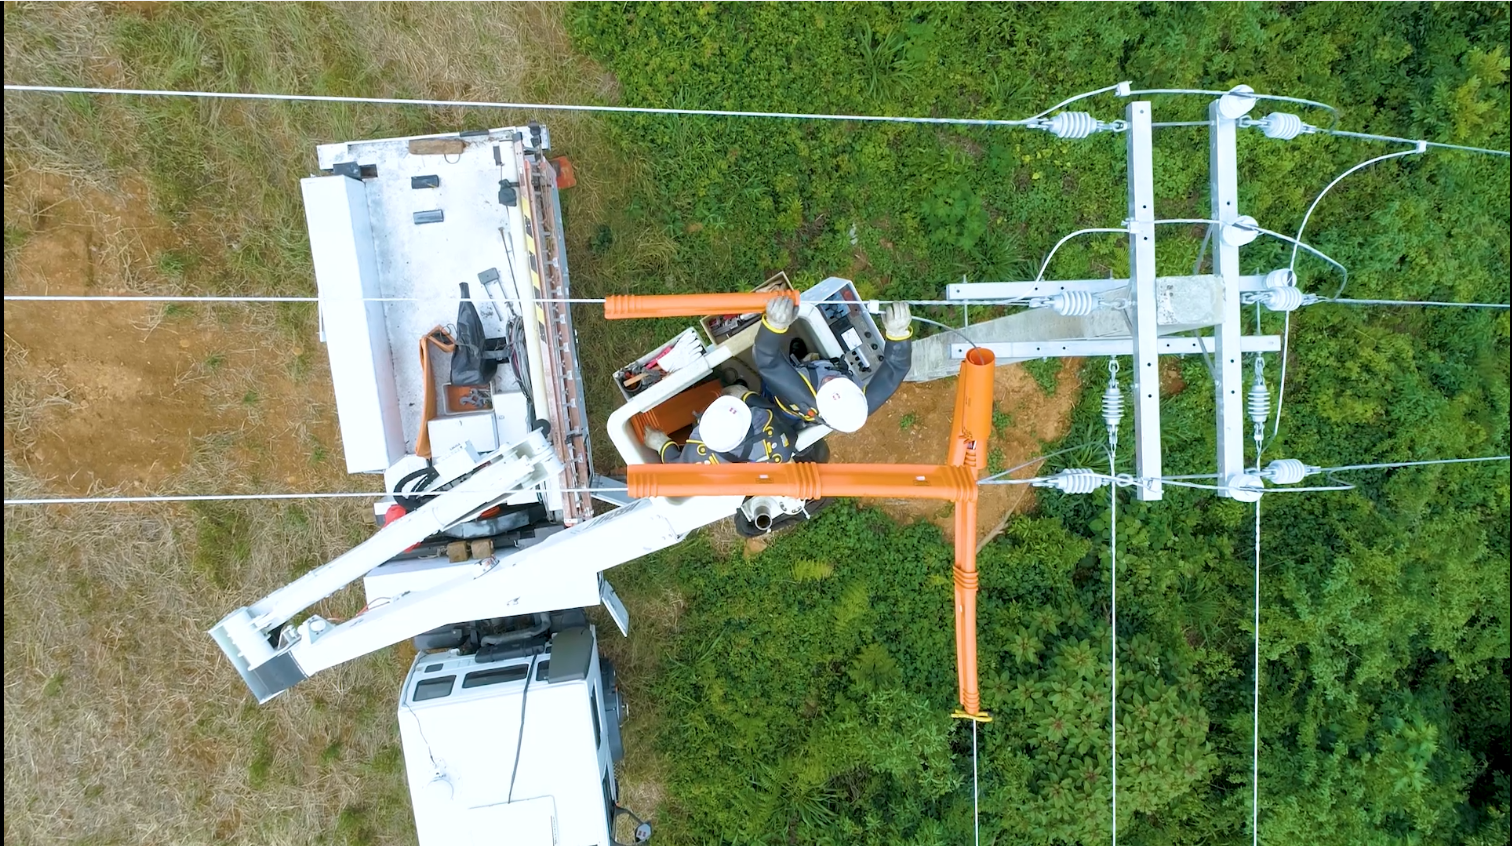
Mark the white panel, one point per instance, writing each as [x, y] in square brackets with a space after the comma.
[356, 336]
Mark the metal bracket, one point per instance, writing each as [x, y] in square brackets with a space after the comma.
[1142, 276]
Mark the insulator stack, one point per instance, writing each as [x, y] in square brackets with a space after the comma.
[1112, 408]
[1282, 277]
[1281, 126]
[1287, 471]
[1283, 299]
[1258, 402]
[1073, 125]
[1073, 303]
[1073, 480]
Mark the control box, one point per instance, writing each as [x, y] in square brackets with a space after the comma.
[843, 311]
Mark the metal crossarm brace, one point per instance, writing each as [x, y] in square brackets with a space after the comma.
[1229, 399]
[1142, 283]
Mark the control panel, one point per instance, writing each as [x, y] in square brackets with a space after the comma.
[847, 318]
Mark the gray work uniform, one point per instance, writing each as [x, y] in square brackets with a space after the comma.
[771, 439]
[794, 387]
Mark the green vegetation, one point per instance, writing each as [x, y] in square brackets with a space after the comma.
[1001, 419]
[1044, 372]
[1384, 609]
[908, 421]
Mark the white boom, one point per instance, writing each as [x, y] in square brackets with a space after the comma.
[557, 569]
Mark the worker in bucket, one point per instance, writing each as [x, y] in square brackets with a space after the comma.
[738, 427]
[824, 390]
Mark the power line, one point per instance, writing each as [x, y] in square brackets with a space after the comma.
[1030, 122]
[545, 107]
[127, 500]
[1255, 774]
[195, 298]
[1347, 301]
[1292, 266]
[1372, 137]
[1393, 464]
[1113, 637]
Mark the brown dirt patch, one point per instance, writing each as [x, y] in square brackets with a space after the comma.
[1036, 420]
[1171, 381]
[133, 396]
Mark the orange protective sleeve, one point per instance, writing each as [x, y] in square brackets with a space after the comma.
[629, 306]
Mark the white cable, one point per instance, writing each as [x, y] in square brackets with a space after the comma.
[1117, 480]
[976, 818]
[1392, 464]
[545, 107]
[1069, 100]
[1369, 137]
[996, 476]
[1298, 100]
[1348, 301]
[193, 298]
[1039, 277]
[1292, 265]
[1255, 775]
[1113, 649]
[122, 500]
[1261, 230]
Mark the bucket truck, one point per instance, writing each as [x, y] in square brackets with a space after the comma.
[466, 398]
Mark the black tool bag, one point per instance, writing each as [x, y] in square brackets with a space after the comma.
[476, 357]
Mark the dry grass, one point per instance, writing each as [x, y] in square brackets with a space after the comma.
[124, 723]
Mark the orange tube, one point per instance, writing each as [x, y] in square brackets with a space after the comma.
[972, 424]
[628, 306]
[441, 340]
[803, 480]
[971, 427]
[965, 577]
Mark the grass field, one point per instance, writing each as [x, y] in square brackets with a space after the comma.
[795, 694]
[123, 724]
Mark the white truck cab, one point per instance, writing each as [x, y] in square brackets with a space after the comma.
[514, 733]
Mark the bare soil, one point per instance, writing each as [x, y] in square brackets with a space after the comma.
[926, 407]
[130, 395]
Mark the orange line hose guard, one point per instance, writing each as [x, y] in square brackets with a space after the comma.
[971, 427]
[628, 306]
[970, 430]
[803, 480]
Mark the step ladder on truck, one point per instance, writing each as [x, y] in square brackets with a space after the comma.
[443, 288]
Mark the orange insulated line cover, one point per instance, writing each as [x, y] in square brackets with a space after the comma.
[627, 306]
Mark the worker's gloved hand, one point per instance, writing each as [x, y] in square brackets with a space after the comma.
[897, 321]
[655, 439]
[737, 390]
[780, 314]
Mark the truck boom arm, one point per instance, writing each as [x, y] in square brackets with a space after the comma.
[555, 571]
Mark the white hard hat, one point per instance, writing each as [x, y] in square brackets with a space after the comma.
[842, 404]
[724, 424]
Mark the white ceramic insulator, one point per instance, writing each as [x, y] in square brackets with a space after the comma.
[1286, 471]
[1074, 303]
[1281, 277]
[1283, 299]
[1237, 102]
[1076, 480]
[1112, 406]
[1073, 125]
[1240, 232]
[1257, 403]
[1281, 126]
[1245, 487]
